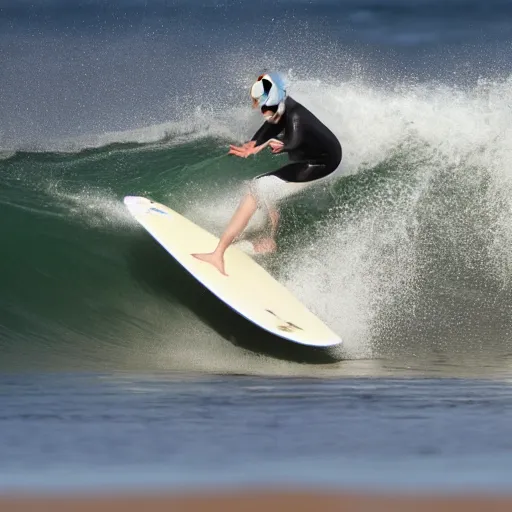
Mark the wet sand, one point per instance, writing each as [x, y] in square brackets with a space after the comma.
[258, 501]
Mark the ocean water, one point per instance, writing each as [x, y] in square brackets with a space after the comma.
[140, 432]
[112, 357]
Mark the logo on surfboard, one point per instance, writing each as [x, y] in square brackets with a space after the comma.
[285, 325]
[157, 210]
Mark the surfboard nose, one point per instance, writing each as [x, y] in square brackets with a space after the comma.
[136, 200]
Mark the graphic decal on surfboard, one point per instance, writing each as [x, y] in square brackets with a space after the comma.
[157, 210]
[285, 326]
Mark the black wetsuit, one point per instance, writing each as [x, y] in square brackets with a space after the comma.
[312, 148]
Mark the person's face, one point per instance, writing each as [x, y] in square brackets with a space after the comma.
[267, 114]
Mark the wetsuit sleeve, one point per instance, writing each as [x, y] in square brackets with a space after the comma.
[266, 132]
[295, 135]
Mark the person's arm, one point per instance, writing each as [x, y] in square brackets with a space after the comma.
[295, 136]
[266, 132]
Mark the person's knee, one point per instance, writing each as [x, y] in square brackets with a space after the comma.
[252, 193]
[252, 199]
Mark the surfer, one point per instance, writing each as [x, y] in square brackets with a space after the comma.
[313, 150]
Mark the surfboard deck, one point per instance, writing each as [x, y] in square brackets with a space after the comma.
[248, 288]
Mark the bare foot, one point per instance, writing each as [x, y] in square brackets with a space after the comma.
[214, 259]
[265, 245]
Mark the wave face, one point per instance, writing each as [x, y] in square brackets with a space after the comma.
[405, 252]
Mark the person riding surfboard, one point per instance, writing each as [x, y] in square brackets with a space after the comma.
[313, 150]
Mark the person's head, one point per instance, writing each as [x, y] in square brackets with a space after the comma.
[269, 93]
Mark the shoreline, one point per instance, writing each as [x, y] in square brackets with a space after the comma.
[257, 500]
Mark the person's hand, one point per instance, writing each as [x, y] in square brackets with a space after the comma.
[243, 151]
[276, 146]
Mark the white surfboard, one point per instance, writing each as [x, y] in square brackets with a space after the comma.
[248, 288]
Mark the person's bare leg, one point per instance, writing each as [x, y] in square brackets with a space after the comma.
[236, 225]
[266, 245]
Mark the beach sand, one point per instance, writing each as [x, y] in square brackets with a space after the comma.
[257, 501]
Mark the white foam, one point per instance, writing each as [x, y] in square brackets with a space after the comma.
[5, 155]
[97, 209]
